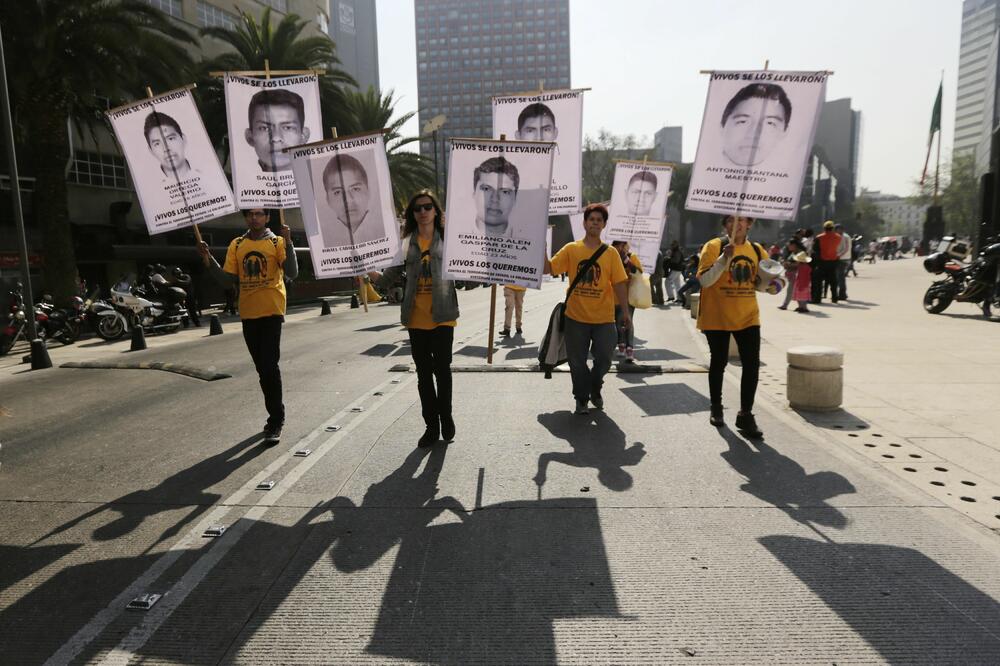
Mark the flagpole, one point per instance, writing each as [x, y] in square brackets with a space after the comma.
[937, 166]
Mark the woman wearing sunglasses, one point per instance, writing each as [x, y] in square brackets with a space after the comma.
[430, 313]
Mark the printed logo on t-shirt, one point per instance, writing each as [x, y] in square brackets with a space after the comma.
[592, 277]
[254, 270]
[741, 269]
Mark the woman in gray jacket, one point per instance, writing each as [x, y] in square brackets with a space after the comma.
[429, 312]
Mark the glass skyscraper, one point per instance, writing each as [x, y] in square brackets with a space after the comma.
[470, 50]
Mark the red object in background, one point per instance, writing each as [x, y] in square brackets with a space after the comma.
[13, 260]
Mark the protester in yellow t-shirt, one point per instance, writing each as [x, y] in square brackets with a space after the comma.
[259, 262]
[513, 299]
[632, 265]
[728, 275]
[590, 307]
[429, 311]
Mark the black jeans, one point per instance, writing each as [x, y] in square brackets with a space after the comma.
[431, 352]
[263, 338]
[748, 342]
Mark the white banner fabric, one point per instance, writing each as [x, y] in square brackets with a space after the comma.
[266, 116]
[347, 209]
[756, 137]
[549, 116]
[639, 201]
[498, 203]
[175, 169]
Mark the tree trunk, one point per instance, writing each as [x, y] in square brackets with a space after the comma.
[48, 135]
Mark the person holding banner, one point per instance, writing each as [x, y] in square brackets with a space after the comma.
[590, 307]
[727, 272]
[259, 262]
[430, 313]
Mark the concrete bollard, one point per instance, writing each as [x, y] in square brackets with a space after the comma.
[815, 378]
[354, 302]
[324, 308]
[39, 355]
[694, 301]
[138, 339]
[214, 325]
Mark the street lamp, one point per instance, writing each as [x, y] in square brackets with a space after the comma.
[431, 127]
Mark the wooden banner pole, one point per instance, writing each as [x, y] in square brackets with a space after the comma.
[197, 231]
[493, 306]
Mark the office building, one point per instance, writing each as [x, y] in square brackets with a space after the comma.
[838, 146]
[471, 50]
[354, 30]
[975, 87]
[668, 144]
[902, 217]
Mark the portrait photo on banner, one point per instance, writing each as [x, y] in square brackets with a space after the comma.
[498, 208]
[638, 200]
[176, 171]
[265, 117]
[347, 210]
[548, 116]
[756, 136]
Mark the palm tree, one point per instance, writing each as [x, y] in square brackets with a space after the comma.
[284, 48]
[62, 57]
[369, 111]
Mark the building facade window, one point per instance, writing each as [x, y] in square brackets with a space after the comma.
[168, 7]
[99, 169]
[280, 5]
[210, 16]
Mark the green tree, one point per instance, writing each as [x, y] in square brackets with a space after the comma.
[958, 195]
[867, 219]
[369, 111]
[62, 57]
[599, 155]
[283, 47]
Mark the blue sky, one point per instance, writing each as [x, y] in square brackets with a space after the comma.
[642, 60]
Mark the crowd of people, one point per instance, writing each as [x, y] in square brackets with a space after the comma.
[598, 311]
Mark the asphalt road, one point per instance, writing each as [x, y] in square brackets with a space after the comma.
[636, 535]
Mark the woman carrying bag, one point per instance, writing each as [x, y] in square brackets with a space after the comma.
[633, 269]
[430, 313]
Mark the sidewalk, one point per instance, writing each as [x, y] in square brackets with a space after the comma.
[921, 390]
[636, 535]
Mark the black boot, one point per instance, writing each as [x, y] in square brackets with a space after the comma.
[447, 428]
[430, 437]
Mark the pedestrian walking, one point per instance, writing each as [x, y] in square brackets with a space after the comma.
[843, 261]
[828, 244]
[429, 312]
[632, 265]
[675, 267]
[513, 298]
[728, 273]
[656, 279]
[259, 262]
[590, 307]
[691, 282]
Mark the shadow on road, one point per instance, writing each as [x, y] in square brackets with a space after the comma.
[185, 488]
[597, 442]
[666, 399]
[783, 482]
[902, 603]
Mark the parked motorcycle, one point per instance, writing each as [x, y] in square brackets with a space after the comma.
[161, 312]
[16, 327]
[62, 324]
[977, 282]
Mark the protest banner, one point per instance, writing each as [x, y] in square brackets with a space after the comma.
[176, 171]
[498, 203]
[756, 138]
[638, 201]
[556, 116]
[265, 116]
[346, 199]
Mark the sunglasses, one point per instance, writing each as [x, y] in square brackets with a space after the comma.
[426, 208]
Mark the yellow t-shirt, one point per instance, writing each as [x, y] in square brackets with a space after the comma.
[421, 316]
[593, 300]
[514, 287]
[731, 303]
[633, 259]
[258, 264]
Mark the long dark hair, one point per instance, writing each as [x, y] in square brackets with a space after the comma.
[410, 217]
